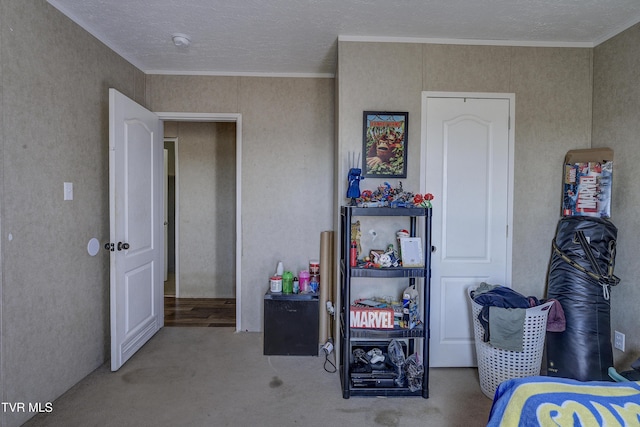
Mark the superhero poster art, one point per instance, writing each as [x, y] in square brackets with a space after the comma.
[384, 144]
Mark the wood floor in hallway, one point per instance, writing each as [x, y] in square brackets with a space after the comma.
[210, 312]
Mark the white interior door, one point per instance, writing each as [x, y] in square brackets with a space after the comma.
[469, 171]
[136, 226]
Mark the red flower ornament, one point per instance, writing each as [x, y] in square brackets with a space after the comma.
[423, 201]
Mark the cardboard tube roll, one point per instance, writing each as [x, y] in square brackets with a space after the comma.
[326, 284]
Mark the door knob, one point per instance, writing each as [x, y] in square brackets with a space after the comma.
[433, 249]
[122, 246]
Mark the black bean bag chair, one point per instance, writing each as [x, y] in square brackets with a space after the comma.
[580, 277]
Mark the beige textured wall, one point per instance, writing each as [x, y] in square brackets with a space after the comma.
[553, 116]
[552, 87]
[207, 192]
[616, 109]
[287, 178]
[55, 297]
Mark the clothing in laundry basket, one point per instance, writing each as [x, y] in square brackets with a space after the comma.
[506, 327]
[556, 322]
[502, 315]
[501, 296]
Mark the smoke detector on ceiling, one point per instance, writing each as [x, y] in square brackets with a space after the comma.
[180, 40]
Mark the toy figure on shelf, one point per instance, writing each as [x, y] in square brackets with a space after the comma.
[355, 235]
[384, 191]
[386, 196]
[354, 178]
[388, 258]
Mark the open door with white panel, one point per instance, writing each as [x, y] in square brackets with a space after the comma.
[136, 170]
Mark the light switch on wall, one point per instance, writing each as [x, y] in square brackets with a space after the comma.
[68, 190]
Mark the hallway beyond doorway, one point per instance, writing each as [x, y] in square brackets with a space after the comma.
[170, 285]
[207, 312]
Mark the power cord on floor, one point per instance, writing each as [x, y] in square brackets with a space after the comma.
[333, 368]
[328, 346]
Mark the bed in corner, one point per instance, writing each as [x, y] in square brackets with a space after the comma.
[546, 401]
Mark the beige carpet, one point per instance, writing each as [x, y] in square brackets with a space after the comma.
[216, 377]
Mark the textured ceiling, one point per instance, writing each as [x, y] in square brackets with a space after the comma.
[299, 37]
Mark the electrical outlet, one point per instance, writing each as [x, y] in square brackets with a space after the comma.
[619, 340]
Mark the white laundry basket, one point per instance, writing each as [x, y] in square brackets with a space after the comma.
[496, 365]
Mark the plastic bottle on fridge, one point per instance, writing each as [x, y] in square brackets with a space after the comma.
[287, 282]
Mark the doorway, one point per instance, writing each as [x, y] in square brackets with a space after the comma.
[170, 216]
[201, 213]
[198, 202]
[468, 149]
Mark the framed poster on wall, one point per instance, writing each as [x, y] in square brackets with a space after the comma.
[384, 144]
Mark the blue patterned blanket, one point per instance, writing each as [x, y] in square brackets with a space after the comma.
[546, 401]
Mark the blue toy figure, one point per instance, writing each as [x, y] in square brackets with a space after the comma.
[354, 178]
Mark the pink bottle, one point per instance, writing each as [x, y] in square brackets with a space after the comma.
[303, 276]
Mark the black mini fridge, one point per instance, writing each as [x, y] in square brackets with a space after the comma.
[291, 324]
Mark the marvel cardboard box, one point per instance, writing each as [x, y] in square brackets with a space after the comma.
[371, 318]
[588, 175]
